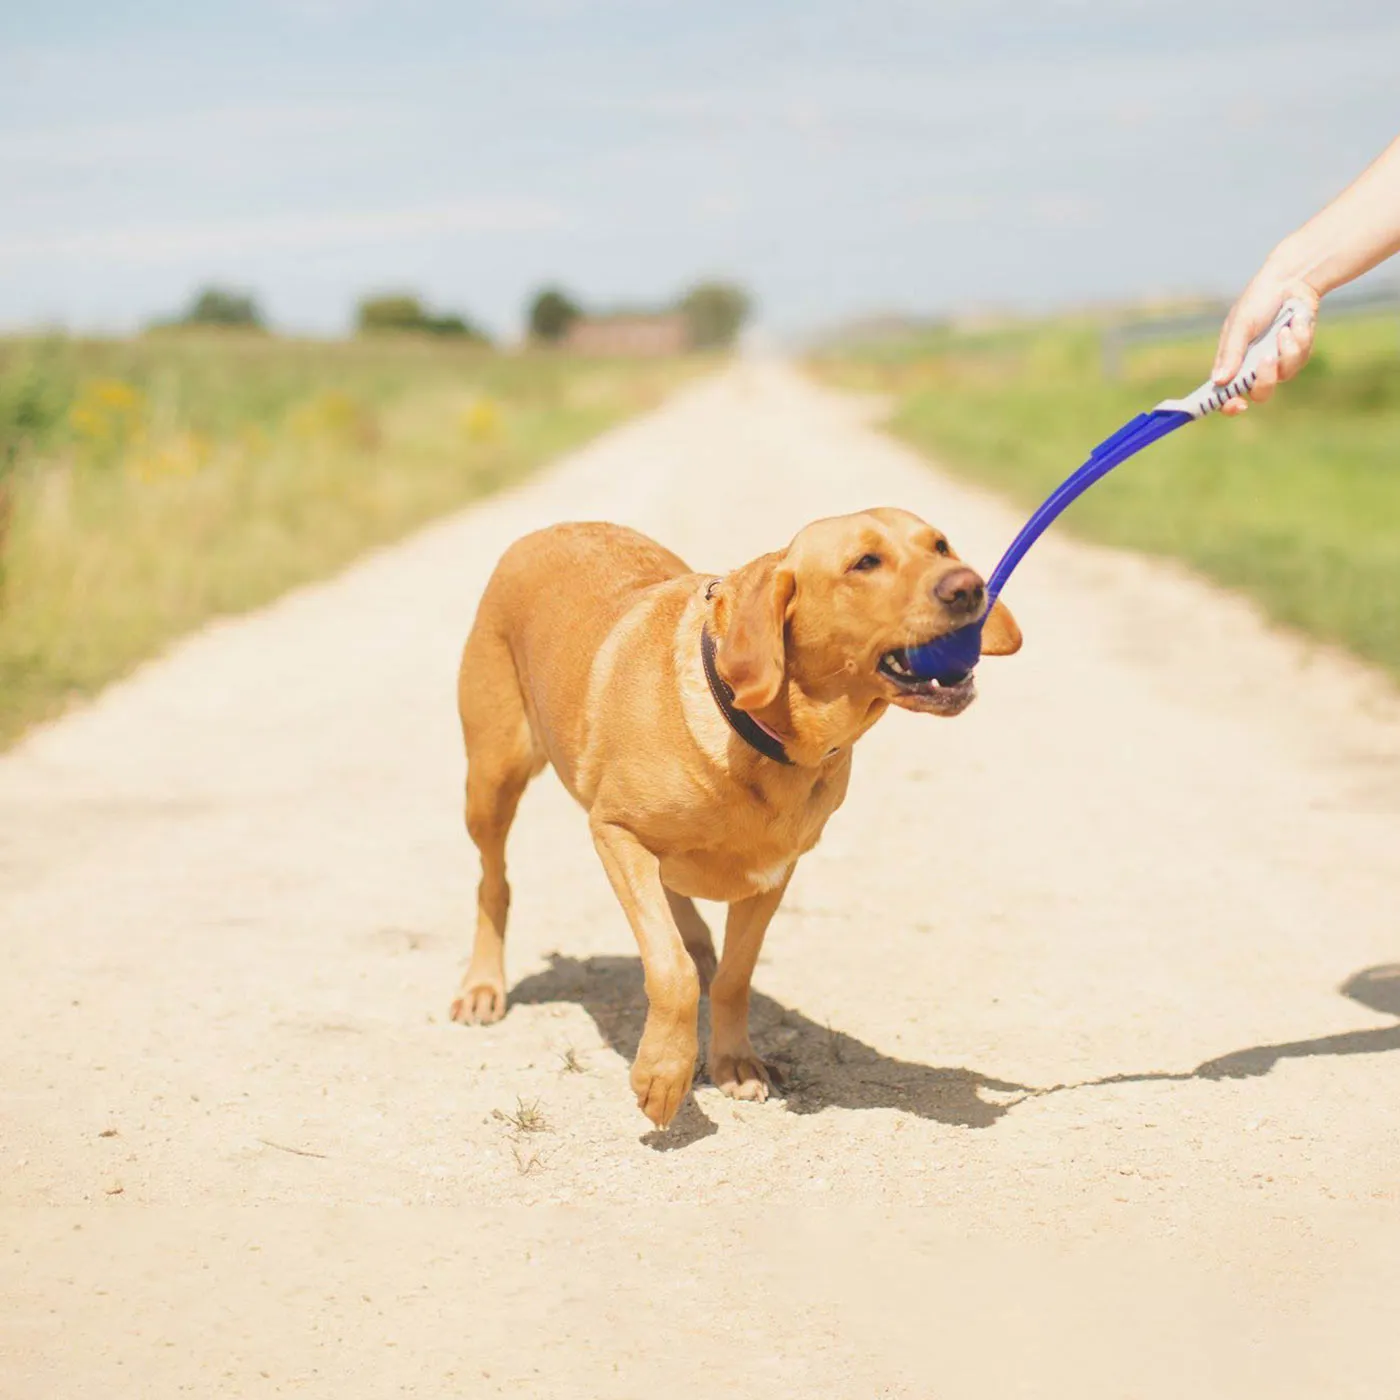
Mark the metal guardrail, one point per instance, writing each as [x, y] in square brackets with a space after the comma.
[1119, 336]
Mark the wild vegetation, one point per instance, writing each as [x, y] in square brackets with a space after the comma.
[1297, 504]
[148, 484]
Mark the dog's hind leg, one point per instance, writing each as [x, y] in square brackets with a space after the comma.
[502, 757]
[695, 934]
[734, 1067]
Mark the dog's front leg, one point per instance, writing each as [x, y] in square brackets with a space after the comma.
[733, 1066]
[665, 1062]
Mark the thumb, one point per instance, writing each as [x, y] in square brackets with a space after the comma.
[1249, 316]
[1229, 353]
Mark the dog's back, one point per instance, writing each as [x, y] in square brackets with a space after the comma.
[546, 612]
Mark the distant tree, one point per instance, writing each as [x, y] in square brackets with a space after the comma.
[714, 313]
[451, 324]
[400, 312]
[395, 312]
[219, 306]
[552, 312]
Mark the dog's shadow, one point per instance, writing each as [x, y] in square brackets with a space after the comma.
[1375, 988]
[821, 1067]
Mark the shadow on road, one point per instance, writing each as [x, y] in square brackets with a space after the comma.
[1376, 988]
[826, 1068]
[820, 1067]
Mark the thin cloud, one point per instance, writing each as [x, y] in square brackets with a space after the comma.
[99, 144]
[1050, 209]
[162, 242]
[1064, 211]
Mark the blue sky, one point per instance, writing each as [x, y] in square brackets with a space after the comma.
[839, 158]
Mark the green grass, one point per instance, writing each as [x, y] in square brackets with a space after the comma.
[153, 483]
[1297, 504]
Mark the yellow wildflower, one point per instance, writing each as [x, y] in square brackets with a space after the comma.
[482, 421]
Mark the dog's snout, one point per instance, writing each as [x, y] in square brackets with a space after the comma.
[961, 591]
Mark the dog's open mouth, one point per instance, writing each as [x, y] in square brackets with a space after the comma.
[925, 693]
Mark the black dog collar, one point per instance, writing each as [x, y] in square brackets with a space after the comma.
[744, 725]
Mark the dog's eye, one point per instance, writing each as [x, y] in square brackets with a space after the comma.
[942, 547]
[865, 563]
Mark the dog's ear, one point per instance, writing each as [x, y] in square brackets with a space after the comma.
[1001, 634]
[751, 617]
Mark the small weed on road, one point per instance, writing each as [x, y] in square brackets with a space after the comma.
[526, 1122]
[527, 1118]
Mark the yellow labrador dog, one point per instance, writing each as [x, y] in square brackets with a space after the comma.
[705, 724]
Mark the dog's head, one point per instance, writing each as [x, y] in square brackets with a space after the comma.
[838, 608]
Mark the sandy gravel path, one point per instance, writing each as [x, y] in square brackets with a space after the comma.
[1087, 1000]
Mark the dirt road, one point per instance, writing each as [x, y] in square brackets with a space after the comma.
[1088, 1004]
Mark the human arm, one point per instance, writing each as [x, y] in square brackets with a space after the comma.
[1355, 232]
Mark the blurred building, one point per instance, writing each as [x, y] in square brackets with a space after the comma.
[629, 333]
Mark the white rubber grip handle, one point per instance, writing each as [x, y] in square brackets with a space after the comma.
[1211, 396]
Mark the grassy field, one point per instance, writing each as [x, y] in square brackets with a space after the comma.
[146, 485]
[1297, 504]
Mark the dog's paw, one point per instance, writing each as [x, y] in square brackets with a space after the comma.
[742, 1076]
[661, 1075]
[660, 1096]
[480, 1004]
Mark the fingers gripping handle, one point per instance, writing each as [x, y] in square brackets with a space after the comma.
[1211, 396]
[1262, 347]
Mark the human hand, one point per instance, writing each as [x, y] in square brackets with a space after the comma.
[1250, 316]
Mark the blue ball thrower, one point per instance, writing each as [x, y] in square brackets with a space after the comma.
[951, 658]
